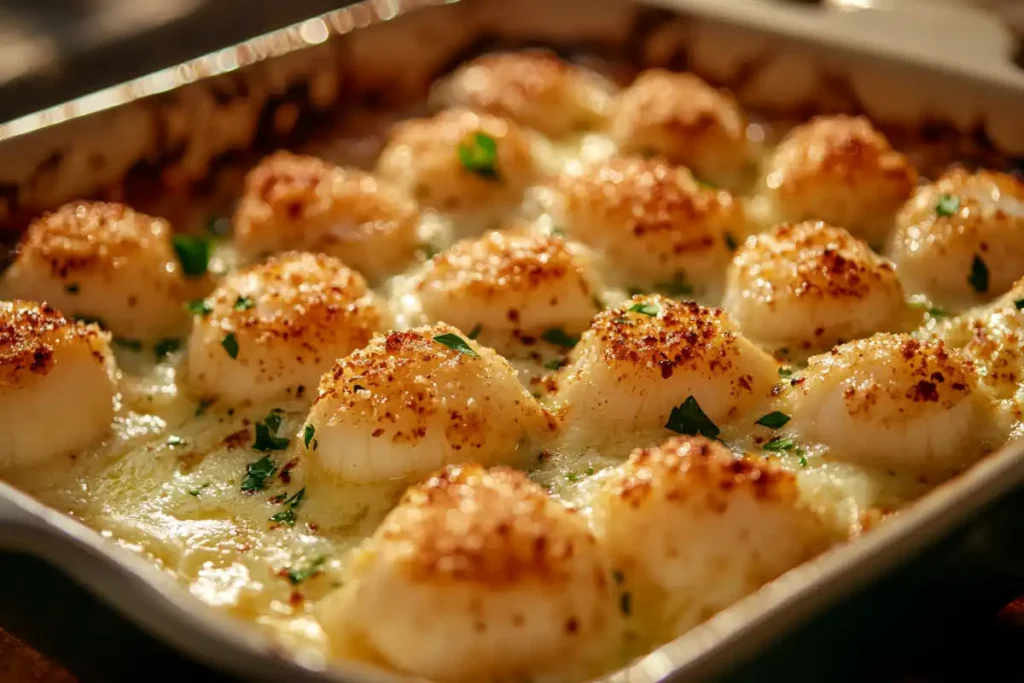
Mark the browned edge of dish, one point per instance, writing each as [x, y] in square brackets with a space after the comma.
[169, 126]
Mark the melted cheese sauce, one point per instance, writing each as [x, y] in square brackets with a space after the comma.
[168, 482]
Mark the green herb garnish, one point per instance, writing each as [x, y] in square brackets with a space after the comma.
[166, 346]
[198, 307]
[456, 343]
[266, 440]
[648, 309]
[626, 603]
[230, 344]
[71, 289]
[307, 435]
[196, 491]
[773, 420]
[802, 455]
[244, 303]
[288, 516]
[688, 418]
[479, 155]
[475, 332]
[273, 419]
[948, 205]
[297, 576]
[193, 253]
[554, 364]
[730, 242]
[558, 337]
[785, 371]
[257, 473]
[1019, 304]
[173, 441]
[978, 278]
[202, 406]
[779, 444]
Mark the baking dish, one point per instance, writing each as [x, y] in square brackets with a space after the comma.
[182, 135]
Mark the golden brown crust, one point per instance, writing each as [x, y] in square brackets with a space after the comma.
[30, 335]
[688, 466]
[490, 527]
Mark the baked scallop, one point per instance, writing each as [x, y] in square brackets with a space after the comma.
[532, 87]
[269, 331]
[509, 286]
[993, 339]
[105, 262]
[412, 402]
[476, 575]
[639, 362]
[653, 222]
[681, 118]
[960, 240]
[294, 202]
[840, 170]
[474, 166]
[691, 528]
[808, 286]
[894, 402]
[56, 384]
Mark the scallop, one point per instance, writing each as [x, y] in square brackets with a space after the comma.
[411, 402]
[294, 202]
[532, 87]
[995, 343]
[894, 402]
[476, 575]
[840, 170]
[510, 287]
[960, 240]
[56, 384]
[638, 364]
[683, 119]
[691, 528]
[270, 331]
[808, 286]
[654, 223]
[459, 162]
[105, 262]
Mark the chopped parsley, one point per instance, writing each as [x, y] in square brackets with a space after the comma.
[456, 343]
[198, 307]
[244, 303]
[688, 418]
[626, 603]
[1019, 304]
[779, 444]
[173, 441]
[307, 435]
[978, 278]
[71, 288]
[273, 419]
[773, 420]
[287, 516]
[193, 253]
[197, 490]
[257, 473]
[125, 343]
[479, 155]
[730, 242]
[266, 434]
[475, 332]
[948, 205]
[554, 364]
[558, 337]
[166, 346]
[202, 406]
[785, 371]
[429, 250]
[297, 576]
[647, 309]
[230, 344]
[801, 454]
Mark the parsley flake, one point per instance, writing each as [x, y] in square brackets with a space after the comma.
[475, 332]
[785, 371]
[202, 406]
[688, 418]
[199, 307]
[193, 253]
[773, 420]
[554, 364]
[197, 490]
[558, 337]
[244, 303]
[626, 603]
[730, 242]
[287, 517]
[978, 278]
[456, 343]
[173, 441]
[1019, 304]
[948, 205]
[266, 440]
[230, 344]
[479, 155]
[802, 455]
[647, 309]
[257, 473]
[71, 288]
[307, 435]
[297, 576]
[779, 444]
